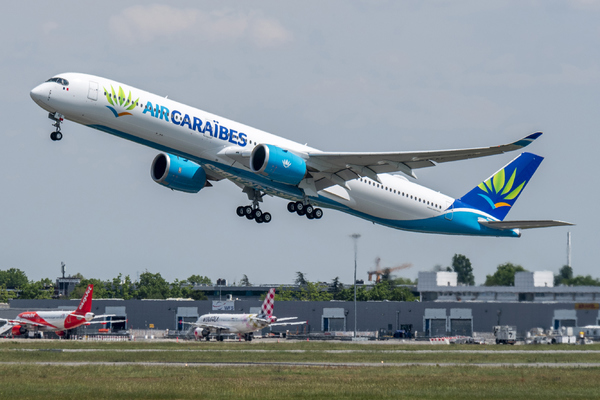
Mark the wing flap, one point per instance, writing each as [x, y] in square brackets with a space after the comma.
[506, 225]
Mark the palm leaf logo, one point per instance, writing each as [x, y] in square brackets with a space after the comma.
[500, 190]
[119, 101]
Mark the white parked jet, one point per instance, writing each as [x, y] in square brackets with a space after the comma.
[60, 322]
[199, 148]
[242, 324]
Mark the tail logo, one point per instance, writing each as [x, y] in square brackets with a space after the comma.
[497, 191]
[119, 101]
[84, 299]
[267, 307]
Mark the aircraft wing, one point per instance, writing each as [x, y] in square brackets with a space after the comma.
[505, 225]
[341, 167]
[24, 322]
[6, 327]
[209, 326]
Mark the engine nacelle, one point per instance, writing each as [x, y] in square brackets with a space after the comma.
[18, 330]
[277, 164]
[177, 173]
[201, 333]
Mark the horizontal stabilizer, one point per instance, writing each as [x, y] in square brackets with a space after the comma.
[286, 319]
[289, 323]
[505, 225]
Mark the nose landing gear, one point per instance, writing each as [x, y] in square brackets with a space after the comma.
[58, 119]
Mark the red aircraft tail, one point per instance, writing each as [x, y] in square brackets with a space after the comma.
[85, 305]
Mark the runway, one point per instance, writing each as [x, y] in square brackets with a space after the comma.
[298, 364]
[482, 351]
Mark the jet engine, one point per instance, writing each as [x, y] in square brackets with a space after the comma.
[178, 173]
[18, 330]
[277, 164]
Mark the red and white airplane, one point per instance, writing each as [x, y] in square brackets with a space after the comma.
[60, 322]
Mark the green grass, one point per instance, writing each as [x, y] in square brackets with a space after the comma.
[301, 352]
[25, 380]
[132, 382]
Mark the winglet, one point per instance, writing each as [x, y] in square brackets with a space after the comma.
[526, 141]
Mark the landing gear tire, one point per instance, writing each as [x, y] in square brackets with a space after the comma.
[310, 216]
[266, 217]
[291, 207]
[257, 213]
[309, 209]
[248, 210]
[318, 213]
[240, 211]
[301, 212]
[56, 136]
[299, 207]
[259, 220]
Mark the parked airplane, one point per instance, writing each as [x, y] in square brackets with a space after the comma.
[200, 148]
[245, 324]
[61, 322]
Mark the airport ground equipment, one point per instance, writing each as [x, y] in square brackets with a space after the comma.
[505, 334]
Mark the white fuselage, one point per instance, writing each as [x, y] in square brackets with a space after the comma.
[232, 323]
[210, 141]
[51, 321]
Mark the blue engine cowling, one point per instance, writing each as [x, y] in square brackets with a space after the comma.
[277, 164]
[177, 173]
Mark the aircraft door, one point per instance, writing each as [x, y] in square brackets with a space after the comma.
[93, 91]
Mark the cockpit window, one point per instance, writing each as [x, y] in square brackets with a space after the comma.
[60, 81]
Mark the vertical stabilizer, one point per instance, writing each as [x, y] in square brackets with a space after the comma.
[498, 194]
[266, 310]
[85, 305]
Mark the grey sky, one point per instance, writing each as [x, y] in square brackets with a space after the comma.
[338, 75]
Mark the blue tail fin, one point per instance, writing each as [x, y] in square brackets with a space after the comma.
[498, 194]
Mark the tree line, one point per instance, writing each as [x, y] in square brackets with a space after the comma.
[154, 286]
[389, 288]
[148, 286]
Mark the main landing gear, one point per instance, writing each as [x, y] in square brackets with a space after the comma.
[305, 209]
[253, 211]
[58, 119]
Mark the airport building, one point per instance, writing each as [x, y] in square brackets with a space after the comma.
[446, 308]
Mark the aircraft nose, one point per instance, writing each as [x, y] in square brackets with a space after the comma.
[37, 93]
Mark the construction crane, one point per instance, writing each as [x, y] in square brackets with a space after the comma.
[378, 271]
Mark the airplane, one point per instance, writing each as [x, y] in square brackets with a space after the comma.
[60, 322]
[199, 148]
[242, 324]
